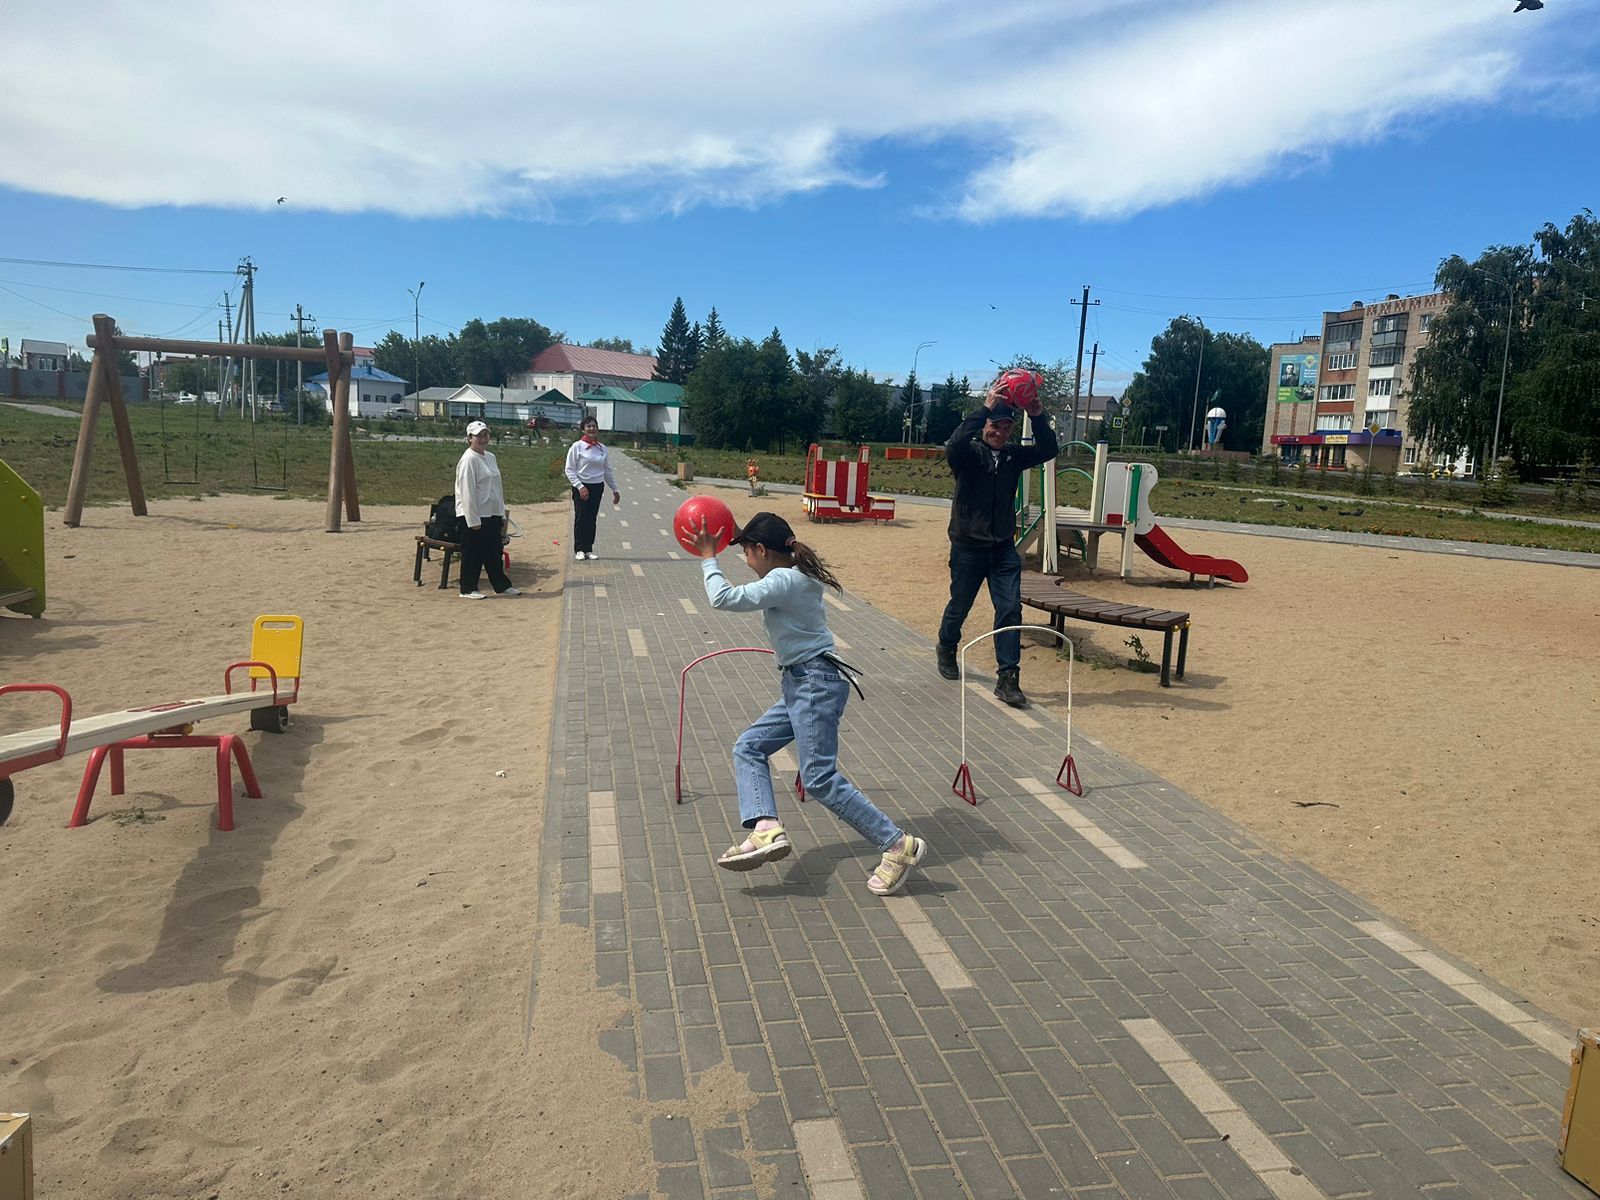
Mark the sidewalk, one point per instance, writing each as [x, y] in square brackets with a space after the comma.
[1113, 996]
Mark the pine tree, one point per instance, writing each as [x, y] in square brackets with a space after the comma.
[697, 347]
[715, 334]
[673, 354]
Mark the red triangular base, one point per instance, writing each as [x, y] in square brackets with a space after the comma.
[961, 785]
[1072, 783]
[799, 788]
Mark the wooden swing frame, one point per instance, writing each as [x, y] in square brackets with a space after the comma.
[105, 386]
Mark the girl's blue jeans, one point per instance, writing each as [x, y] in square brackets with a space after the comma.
[807, 714]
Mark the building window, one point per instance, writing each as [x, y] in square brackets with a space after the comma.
[1383, 416]
[1334, 422]
[1342, 362]
[1343, 331]
[1385, 356]
[1380, 387]
[1339, 391]
[1336, 456]
[1427, 320]
[1411, 456]
[1390, 324]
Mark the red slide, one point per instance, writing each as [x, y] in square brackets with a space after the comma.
[1168, 553]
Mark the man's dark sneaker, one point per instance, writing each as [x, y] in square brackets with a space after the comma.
[947, 662]
[1009, 689]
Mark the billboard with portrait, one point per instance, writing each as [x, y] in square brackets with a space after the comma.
[1297, 378]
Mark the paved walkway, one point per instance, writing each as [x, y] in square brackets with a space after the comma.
[1420, 545]
[1115, 996]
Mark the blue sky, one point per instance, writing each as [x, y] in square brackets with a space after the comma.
[869, 175]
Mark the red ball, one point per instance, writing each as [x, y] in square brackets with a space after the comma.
[1019, 387]
[718, 519]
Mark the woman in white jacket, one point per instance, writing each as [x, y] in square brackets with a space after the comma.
[481, 503]
[589, 473]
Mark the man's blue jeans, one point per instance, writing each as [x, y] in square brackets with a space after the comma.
[1002, 567]
[813, 700]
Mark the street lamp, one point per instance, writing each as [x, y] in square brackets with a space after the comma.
[911, 401]
[1194, 419]
[416, 339]
[1505, 360]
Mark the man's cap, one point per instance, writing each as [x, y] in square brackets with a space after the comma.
[1002, 412]
[476, 427]
[766, 529]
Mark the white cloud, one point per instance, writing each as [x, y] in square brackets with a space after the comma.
[611, 107]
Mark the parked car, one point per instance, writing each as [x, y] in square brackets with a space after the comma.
[401, 414]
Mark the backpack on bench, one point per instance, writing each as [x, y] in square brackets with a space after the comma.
[443, 525]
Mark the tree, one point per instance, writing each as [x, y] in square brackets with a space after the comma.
[861, 408]
[910, 397]
[774, 392]
[816, 380]
[1055, 393]
[674, 355]
[697, 346]
[714, 332]
[739, 395]
[1551, 311]
[1163, 391]
[950, 401]
[621, 345]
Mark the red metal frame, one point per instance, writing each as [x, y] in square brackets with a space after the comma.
[683, 683]
[8, 769]
[961, 785]
[1070, 769]
[227, 745]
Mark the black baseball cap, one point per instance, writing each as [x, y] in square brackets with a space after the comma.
[766, 529]
[1002, 412]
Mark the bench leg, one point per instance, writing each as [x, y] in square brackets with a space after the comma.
[1183, 649]
[116, 771]
[1166, 660]
[444, 571]
[416, 567]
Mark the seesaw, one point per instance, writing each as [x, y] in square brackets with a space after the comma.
[274, 676]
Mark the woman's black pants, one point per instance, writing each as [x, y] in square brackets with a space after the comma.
[584, 513]
[480, 552]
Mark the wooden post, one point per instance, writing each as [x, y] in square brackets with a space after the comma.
[340, 398]
[352, 502]
[105, 331]
[72, 516]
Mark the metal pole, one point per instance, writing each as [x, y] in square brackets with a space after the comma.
[416, 339]
[1077, 372]
[911, 402]
[1194, 419]
[1505, 362]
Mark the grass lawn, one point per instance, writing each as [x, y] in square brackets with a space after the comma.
[230, 455]
[1323, 507]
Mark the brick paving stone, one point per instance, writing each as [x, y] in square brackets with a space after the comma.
[1372, 1074]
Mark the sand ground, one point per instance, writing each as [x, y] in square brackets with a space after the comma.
[335, 998]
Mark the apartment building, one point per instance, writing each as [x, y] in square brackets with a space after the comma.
[1337, 401]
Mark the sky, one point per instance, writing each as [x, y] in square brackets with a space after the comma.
[925, 184]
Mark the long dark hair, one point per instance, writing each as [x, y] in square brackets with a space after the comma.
[807, 562]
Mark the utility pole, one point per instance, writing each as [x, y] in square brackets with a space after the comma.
[1094, 358]
[1200, 358]
[300, 320]
[247, 331]
[222, 366]
[1077, 373]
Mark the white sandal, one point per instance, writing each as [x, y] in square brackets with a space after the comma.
[769, 846]
[891, 873]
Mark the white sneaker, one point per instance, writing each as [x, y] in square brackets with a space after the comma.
[510, 591]
[578, 557]
[592, 554]
[472, 595]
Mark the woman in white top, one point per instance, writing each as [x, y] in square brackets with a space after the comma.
[589, 472]
[481, 504]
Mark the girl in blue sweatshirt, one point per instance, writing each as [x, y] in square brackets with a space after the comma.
[788, 594]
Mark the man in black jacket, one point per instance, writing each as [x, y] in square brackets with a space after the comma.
[982, 525]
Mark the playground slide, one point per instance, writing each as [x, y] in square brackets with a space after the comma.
[1160, 546]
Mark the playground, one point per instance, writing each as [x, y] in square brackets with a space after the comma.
[334, 996]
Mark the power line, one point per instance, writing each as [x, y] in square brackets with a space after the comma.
[1297, 296]
[99, 295]
[42, 304]
[43, 262]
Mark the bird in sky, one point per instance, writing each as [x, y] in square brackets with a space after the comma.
[281, 199]
[1529, 5]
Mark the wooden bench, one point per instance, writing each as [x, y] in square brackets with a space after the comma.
[425, 544]
[1045, 592]
[451, 550]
